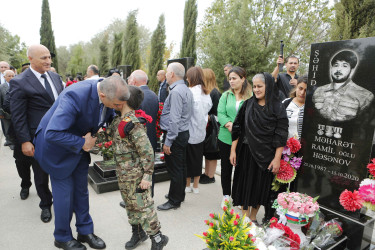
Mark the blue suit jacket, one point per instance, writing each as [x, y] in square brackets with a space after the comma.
[58, 139]
[150, 106]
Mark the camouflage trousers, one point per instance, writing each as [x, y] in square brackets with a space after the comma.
[139, 206]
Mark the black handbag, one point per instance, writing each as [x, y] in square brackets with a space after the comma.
[210, 142]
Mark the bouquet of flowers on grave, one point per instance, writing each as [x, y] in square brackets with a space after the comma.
[289, 164]
[228, 231]
[106, 149]
[294, 203]
[367, 187]
[314, 226]
[364, 196]
[281, 236]
[158, 129]
[326, 236]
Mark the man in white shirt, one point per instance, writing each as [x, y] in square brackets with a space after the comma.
[92, 72]
[3, 66]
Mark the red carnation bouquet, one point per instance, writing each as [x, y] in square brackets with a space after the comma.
[106, 149]
[158, 129]
[289, 164]
[141, 113]
[281, 236]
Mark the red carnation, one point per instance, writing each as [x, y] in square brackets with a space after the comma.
[249, 235]
[237, 216]
[100, 145]
[293, 144]
[286, 172]
[371, 167]
[211, 224]
[225, 208]
[206, 221]
[231, 238]
[204, 233]
[235, 223]
[232, 211]
[212, 216]
[351, 201]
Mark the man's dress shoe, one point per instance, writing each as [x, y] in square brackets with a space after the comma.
[46, 215]
[24, 193]
[70, 245]
[167, 206]
[93, 240]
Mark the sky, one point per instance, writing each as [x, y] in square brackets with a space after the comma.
[80, 20]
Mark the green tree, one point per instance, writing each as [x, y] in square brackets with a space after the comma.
[46, 33]
[353, 19]
[77, 62]
[11, 49]
[104, 58]
[247, 33]
[131, 42]
[157, 53]
[63, 54]
[188, 46]
[117, 50]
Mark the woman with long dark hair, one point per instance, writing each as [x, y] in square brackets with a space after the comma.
[229, 104]
[259, 134]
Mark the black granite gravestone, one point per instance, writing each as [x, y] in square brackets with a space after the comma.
[338, 127]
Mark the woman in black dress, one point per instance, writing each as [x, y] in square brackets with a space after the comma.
[259, 133]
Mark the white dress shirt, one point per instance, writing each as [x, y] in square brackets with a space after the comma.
[41, 80]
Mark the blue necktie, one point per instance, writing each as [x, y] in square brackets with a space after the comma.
[48, 86]
[101, 107]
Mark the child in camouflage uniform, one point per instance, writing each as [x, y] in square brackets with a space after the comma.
[134, 158]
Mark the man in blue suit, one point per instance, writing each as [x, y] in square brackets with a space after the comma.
[32, 93]
[62, 142]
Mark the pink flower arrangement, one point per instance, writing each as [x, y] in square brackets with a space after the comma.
[367, 192]
[351, 201]
[303, 204]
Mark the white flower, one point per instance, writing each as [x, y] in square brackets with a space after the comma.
[368, 182]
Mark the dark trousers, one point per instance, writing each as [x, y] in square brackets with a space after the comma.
[176, 167]
[226, 168]
[5, 125]
[71, 195]
[41, 180]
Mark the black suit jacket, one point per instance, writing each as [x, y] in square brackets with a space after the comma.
[29, 101]
[150, 106]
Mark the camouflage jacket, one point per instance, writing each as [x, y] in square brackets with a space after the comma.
[342, 104]
[133, 152]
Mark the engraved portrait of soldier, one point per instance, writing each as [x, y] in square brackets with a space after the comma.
[342, 99]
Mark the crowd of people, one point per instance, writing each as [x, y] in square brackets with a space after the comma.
[53, 125]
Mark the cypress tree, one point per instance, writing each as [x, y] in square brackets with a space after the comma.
[353, 19]
[188, 47]
[46, 33]
[117, 50]
[103, 60]
[131, 42]
[157, 53]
